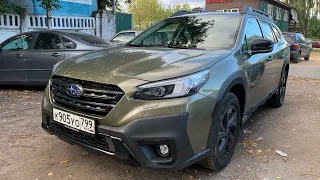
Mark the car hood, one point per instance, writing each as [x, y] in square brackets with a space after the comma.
[149, 64]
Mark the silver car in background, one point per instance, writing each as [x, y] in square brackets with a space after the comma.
[125, 36]
[28, 58]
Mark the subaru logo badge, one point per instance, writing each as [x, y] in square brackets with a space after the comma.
[75, 90]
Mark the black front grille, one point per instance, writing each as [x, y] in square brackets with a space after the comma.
[98, 141]
[97, 99]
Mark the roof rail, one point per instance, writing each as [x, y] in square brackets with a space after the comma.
[253, 11]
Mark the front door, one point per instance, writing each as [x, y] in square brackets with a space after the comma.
[303, 44]
[48, 50]
[254, 65]
[283, 53]
[13, 57]
[272, 60]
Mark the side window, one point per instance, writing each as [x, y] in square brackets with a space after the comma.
[277, 33]
[304, 39]
[20, 43]
[68, 44]
[48, 41]
[252, 32]
[300, 39]
[267, 32]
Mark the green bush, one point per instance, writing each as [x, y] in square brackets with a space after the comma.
[7, 8]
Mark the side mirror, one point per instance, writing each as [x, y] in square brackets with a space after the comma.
[261, 46]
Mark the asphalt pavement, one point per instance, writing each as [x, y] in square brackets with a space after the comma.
[307, 69]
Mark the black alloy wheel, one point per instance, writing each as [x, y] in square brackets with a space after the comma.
[228, 130]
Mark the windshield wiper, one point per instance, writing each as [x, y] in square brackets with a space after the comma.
[147, 45]
[183, 47]
[135, 45]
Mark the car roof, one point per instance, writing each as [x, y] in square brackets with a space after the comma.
[207, 14]
[244, 11]
[55, 31]
[130, 30]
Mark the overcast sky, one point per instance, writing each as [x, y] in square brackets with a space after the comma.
[193, 3]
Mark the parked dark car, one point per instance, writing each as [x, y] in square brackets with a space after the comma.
[176, 94]
[28, 58]
[299, 46]
[316, 44]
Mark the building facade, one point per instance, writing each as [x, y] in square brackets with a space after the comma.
[282, 13]
[83, 8]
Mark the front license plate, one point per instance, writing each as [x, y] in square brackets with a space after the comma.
[74, 121]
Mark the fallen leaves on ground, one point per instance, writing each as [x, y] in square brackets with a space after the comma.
[65, 161]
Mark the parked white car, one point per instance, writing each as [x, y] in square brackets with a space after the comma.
[125, 36]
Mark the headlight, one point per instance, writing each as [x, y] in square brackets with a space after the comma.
[178, 87]
[54, 69]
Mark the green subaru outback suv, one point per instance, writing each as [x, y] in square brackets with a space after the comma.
[175, 95]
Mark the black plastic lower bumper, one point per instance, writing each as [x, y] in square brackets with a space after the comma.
[294, 54]
[136, 141]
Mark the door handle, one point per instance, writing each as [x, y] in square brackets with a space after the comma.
[55, 54]
[18, 56]
[270, 58]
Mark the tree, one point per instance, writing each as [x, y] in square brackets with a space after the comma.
[102, 4]
[148, 12]
[7, 8]
[303, 8]
[49, 6]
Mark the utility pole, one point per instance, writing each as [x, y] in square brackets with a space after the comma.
[114, 6]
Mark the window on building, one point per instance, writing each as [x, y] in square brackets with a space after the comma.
[235, 10]
[229, 10]
[270, 10]
[278, 13]
[252, 32]
[285, 16]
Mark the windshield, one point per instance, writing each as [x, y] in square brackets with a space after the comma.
[202, 32]
[91, 39]
[289, 38]
[124, 37]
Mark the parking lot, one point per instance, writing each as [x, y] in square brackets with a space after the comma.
[27, 152]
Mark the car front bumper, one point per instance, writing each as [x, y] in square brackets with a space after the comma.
[186, 133]
[294, 54]
[136, 142]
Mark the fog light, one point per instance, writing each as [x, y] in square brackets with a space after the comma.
[163, 150]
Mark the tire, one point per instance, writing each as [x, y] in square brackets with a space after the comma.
[297, 59]
[307, 57]
[223, 138]
[277, 99]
